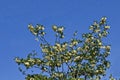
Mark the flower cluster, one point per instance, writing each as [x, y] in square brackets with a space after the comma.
[38, 30]
[58, 30]
[74, 59]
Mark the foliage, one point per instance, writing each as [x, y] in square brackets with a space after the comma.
[76, 59]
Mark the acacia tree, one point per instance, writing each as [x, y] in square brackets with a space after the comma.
[76, 59]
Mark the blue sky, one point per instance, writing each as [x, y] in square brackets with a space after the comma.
[16, 40]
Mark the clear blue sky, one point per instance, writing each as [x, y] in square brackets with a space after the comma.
[16, 40]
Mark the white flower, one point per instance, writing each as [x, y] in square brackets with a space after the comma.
[107, 27]
[54, 28]
[62, 36]
[76, 58]
[32, 79]
[58, 45]
[97, 71]
[79, 49]
[107, 47]
[17, 60]
[99, 43]
[97, 30]
[38, 60]
[31, 28]
[96, 24]
[99, 35]
[45, 50]
[27, 63]
[42, 33]
[91, 28]
[31, 60]
[60, 29]
[47, 57]
[103, 19]
[69, 53]
[74, 51]
[75, 42]
[42, 28]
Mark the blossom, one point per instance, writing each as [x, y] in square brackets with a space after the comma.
[54, 28]
[97, 30]
[42, 28]
[76, 58]
[45, 50]
[103, 20]
[79, 49]
[32, 29]
[107, 27]
[47, 57]
[60, 29]
[17, 60]
[27, 63]
[107, 47]
[32, 79]
[31, 60]
[91, 28]
[74, 51]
